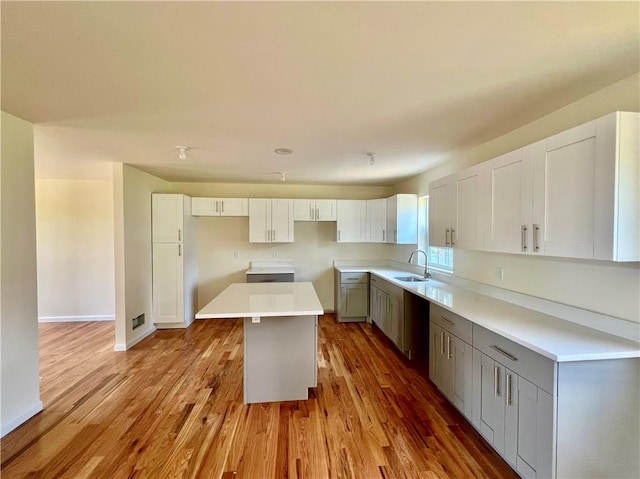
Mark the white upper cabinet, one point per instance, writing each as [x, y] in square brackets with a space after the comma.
[440, 212]
[376, 229]
[270, 220]
[351, 226]
[466, 206]
[167, 217]
[586, 191]
[219, 207]
[402, 219]
[315, 210]
[455, 210]
[508, 202]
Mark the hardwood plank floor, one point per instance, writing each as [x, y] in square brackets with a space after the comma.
[172, 408]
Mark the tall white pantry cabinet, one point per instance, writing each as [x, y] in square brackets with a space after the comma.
[175, 270]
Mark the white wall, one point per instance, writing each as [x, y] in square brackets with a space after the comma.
[132, 232]
[19, 382]
[74, 220]
[313, 251]
[604, 287]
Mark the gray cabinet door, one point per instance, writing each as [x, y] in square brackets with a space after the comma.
[533, 429]
[492, 402]
[354, 300]
[460, 361]
[395, 317]
[436, 354]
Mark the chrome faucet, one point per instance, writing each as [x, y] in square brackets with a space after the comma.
[426, 262]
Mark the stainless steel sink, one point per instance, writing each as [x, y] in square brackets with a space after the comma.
[411, 279]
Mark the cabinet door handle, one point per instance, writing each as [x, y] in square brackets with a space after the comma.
[441, 342]
[448, 347]
[536, 238]
[383, 238]
[447, 231]
[509, 393]
[447, 321]
[453, 241]
[523, 238]
[273, 235]
[217, 206]
[503, 352]
[317, 213]
[179, 234]
[338, 235]
[222, 210]
[496, 381]
[179, 250]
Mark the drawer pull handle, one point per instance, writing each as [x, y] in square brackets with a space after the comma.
[504, 353]
[447, 321]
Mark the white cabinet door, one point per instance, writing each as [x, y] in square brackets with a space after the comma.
[270, 220]
[402, 219]
[508, 202]
[167, 217]
[440, 212]
[168, 283]
[466, 203]
[260, 220]
[282, 220]
[233, 206]
[219, 207]
[376, 221]
[351, 226]
[304, 210]
[326, 210]
[564, 191]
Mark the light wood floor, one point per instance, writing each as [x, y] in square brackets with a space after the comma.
[172, 408]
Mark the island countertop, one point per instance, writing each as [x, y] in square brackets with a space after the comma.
[244, 300]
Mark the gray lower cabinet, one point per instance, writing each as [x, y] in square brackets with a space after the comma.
[546, 419]
[351, 296]
[387, 310]
[450, 357]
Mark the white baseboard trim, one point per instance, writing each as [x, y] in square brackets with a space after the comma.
[125, 347]
[71, 319]
[22, 418]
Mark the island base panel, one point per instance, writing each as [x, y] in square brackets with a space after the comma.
[280, 358]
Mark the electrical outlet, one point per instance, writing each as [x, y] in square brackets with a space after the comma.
[236, 254]
[500, 273]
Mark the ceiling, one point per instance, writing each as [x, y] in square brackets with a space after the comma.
[410, 81]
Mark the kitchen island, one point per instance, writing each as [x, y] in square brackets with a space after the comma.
[280, 336]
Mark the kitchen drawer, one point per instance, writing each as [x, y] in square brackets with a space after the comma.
[451, 322]
[523, 361]
[354, 278]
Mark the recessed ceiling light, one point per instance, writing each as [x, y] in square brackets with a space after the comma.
[283, 151]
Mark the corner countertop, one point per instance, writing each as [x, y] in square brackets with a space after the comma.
[243, 300]
[553, 337]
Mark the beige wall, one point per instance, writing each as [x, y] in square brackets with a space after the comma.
[74, 220]
[19, 382]
[605, 287]
[313, 251]
[132, 225]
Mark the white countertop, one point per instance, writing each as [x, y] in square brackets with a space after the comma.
[244, 300]
[271, 267]
[553, 337]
